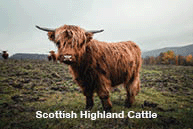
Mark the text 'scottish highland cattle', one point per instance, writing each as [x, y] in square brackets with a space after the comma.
[97, 66]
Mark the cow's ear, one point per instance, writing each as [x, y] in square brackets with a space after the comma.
[51, 35]
[89, 36]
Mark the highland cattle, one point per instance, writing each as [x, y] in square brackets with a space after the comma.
[98, 66]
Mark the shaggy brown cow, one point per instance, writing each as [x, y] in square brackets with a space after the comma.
[5, 55]
[97, 66]
[52, 56]
[49, 58]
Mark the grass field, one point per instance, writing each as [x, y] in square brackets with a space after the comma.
[27, 86]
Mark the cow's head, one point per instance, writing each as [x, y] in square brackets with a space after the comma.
[52, 52]
[4, 52]
[70, 40]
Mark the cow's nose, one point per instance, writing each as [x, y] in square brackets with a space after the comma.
[67, 58]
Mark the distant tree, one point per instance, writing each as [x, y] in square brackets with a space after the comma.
[164, 57]
[171, 57]
[158, 60]
[189, 59]
[176, 59]
[152, 60]
[146, 60]
[181, 60]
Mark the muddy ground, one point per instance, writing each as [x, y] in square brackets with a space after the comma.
[27, 86]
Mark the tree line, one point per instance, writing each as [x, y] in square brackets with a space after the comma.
[169, 57]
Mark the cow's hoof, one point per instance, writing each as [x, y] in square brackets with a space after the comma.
[88, 108]
[108, 109]
[128, 105]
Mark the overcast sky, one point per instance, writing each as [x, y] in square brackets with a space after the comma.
[152, 24]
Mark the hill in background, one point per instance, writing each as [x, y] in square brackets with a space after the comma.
[29, 56]
[184, 51]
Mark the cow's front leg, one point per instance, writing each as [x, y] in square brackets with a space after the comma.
[103, 94]
[89, 102]
[89, 98]
[106, 103]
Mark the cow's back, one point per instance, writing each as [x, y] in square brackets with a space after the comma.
[117, 61]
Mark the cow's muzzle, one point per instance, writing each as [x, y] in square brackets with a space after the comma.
[67, 59]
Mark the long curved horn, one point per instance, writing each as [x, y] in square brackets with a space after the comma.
[96, 31]
[45, 29]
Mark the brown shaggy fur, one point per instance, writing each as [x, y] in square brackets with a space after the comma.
[52, 56]
[5, 55]
[49, 57]
[97, 66]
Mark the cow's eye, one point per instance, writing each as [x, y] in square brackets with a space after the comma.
[58, 44]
